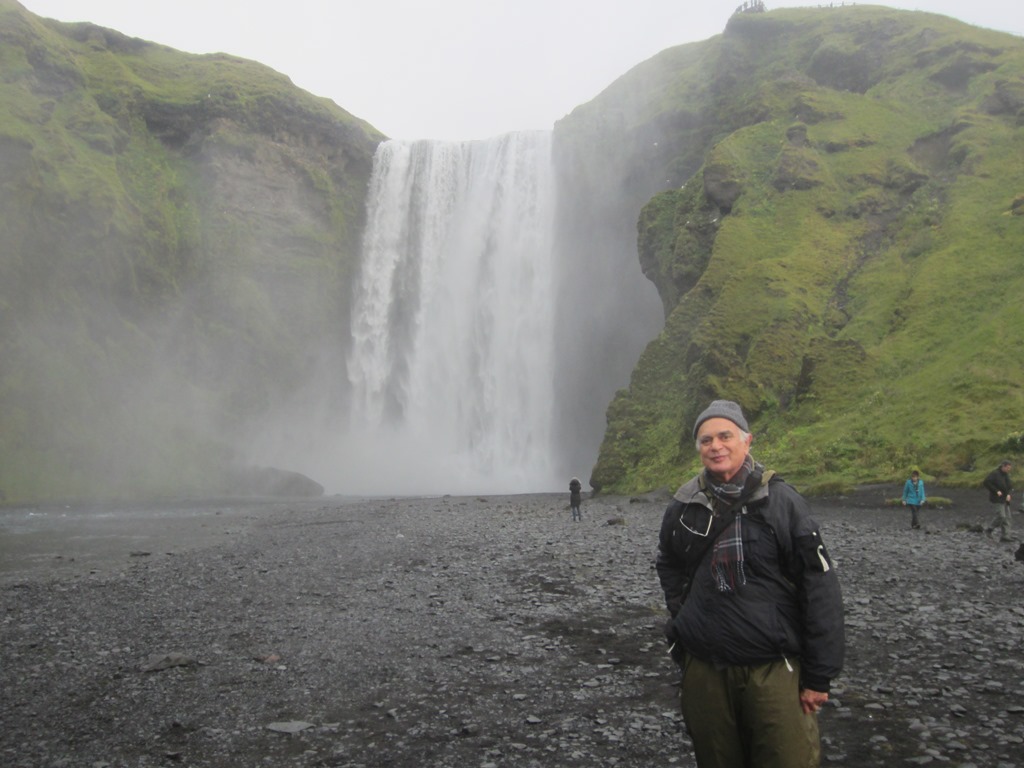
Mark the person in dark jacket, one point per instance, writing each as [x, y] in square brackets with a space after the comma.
[1000, 491]
[575, 498]
[756, 611]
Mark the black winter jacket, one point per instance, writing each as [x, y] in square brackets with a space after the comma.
[997, 480]
[790, 605]
[575, 488]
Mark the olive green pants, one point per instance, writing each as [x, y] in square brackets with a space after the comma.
[748, 717]
[1002, 520]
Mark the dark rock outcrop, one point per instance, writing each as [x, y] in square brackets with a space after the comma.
[268, 481]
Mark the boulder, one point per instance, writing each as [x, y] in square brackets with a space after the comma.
[269, 481]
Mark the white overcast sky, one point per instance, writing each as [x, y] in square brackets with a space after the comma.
[451, 69]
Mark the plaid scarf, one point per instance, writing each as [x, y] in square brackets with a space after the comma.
[727, 553]
[731, 491]
[727, 558]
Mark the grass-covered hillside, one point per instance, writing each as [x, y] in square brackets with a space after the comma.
[840, 248]
[176, 237]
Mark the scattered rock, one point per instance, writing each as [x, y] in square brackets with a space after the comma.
[161, 661]
[292, 726]
[492, 633]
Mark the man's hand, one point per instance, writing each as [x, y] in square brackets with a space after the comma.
[812, 701]
[675, 648]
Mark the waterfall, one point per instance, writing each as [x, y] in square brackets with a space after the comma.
[451, 365]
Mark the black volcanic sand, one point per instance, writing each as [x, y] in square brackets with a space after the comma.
[464, 631]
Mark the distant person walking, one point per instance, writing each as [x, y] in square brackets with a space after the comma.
[1000, 488]
[575, 498]
[913, 497]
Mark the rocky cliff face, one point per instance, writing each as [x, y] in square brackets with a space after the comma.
[179, 236]
[835, 246]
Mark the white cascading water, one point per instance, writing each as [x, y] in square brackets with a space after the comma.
[452, 360]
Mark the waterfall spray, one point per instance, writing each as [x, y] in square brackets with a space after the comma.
[452, 361]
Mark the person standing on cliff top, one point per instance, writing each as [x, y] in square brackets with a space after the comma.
[756, 611]
[1000, 488]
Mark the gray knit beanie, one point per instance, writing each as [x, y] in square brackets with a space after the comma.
[724, 409]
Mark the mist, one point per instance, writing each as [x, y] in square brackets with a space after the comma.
[488, 332]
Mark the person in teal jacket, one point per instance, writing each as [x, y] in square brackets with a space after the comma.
[913, 497]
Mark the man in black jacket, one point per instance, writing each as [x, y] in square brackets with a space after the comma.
[1000, 487]
[756, 611]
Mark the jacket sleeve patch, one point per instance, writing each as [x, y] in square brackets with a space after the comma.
[813, 553]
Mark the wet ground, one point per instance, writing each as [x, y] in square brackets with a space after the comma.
[465, 631]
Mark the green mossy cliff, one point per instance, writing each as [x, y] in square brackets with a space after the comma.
[161, 212]
[838, 246]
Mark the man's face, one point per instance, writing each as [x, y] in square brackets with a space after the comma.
[722, 451]
[1006, 468]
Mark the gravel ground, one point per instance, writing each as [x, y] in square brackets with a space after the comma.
[464, 631]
